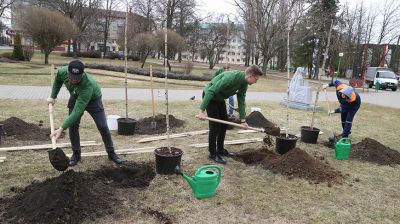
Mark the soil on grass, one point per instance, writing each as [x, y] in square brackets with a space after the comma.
[73, 197]
[143, 126]
[18, 129]
[130, 174]
[373, 151]
[294, 164]
[160, 216]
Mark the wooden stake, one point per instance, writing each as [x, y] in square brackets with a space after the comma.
[152, 93]
[46, 146]
[162, 137]
[233, 142]
[120, 152]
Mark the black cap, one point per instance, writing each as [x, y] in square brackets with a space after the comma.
[75, 70]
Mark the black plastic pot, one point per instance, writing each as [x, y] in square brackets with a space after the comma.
[309, 135]
[167, 160]
[283, 144]
[126, 126]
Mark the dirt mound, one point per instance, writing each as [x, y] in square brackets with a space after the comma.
[21, 130]
[73, 197]
[129, 175]
[373, 151]
[143, 125]
[69, 198]
[294, 164]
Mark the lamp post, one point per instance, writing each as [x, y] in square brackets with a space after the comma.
[340, 58]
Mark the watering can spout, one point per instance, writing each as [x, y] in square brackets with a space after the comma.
[190, 181]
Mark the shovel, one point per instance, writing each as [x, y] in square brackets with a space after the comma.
[57, 157]
[153, 124]
[275, 131]
[332, 137]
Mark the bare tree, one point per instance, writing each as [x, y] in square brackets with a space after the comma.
[4, 6]
[268, 21]
[213, 40]
[82, 12]
[107, 17]
[53, 30]
[175, 43]
[144, 44]
[146, 8]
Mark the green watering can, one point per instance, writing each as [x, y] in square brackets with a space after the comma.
[342, 149]
[204, 182]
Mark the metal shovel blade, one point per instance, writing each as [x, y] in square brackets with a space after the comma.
[58, 159]
[153, 125]
[275, 131]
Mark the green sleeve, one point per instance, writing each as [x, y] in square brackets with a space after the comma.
[241, 96]
[80, 106]
[212, 91]
[57, 84]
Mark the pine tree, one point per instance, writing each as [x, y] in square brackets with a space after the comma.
[17, 52]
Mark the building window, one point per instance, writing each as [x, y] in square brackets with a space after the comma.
[238, 60]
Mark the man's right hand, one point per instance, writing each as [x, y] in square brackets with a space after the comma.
[51, 101]
[201, 115]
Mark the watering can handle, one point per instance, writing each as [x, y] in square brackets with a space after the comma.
[211, 167]
[345, 139]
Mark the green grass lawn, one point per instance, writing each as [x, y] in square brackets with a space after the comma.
[37, 73]
[247, 194]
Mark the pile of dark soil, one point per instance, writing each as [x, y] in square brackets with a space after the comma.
[69, 198]
[143, 125]
[21, 130]
[129, 175]
[74, 197]
[373, 151]
[294, 164]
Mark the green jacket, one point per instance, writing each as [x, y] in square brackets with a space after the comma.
[224, 85]
[84, 92]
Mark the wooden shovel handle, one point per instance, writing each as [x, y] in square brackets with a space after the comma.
[53, 139]
[327, 101]
[231, 123]
[152, 93]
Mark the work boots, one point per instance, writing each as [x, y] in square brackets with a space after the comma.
[75, 158]
[217, 158]
[225, 152]
[114, 157]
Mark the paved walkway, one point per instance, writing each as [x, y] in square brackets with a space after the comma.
[382, 98]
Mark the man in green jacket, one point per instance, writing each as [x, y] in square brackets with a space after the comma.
[85, 95]
[216, 91]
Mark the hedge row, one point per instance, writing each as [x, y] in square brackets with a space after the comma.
[145, 72]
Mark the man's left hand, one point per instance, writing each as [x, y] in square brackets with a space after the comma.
[57, 133]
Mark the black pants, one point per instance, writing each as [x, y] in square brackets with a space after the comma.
[216, 136]
[96, 110]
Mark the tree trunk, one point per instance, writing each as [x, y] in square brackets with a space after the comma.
[74, 49]
[46, 58]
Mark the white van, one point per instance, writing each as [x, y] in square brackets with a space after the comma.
[386, 77]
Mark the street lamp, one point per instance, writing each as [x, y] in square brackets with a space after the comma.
[340, 58]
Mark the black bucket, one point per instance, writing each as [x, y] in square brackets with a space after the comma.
[166, 161]
[126, 126]
[283, 144]
[309, 135]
